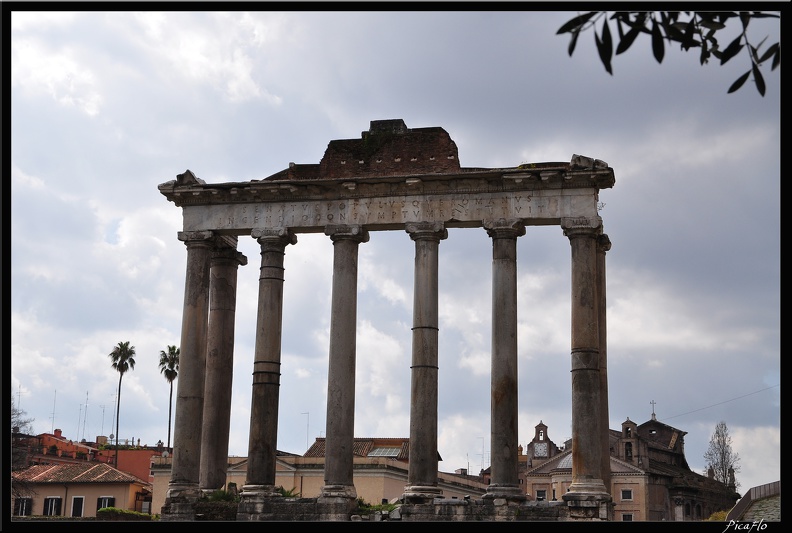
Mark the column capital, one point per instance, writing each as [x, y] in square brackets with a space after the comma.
[229, 254]
[191, 237]
[604, 243]
[426, 230]
[504, 228]
[581, 226]
[346, 232]
[274, 239]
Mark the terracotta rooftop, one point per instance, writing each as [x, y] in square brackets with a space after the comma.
[363, 446]
[75, 473]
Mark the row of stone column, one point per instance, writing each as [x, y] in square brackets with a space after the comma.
[206, 363]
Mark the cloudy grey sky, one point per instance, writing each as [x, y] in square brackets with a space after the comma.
[107, 105]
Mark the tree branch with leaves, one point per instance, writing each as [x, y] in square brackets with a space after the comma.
[689, 29]
[169, 367]
[721, 458]
[123, 360]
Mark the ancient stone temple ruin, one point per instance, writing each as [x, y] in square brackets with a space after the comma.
[393, 178]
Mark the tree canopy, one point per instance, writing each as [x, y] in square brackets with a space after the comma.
[690, 29]
[720, 458]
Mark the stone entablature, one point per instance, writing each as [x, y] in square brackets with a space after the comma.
[540, 196]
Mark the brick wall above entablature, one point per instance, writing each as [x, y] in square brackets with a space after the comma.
[389, 148]
[305, 198]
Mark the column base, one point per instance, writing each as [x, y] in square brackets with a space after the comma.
[338, 491]
[506, 492]
[421, 494]
[183, 492]
[256, 492]
[588, 490]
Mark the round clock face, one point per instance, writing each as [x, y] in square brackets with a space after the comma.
[540, 449]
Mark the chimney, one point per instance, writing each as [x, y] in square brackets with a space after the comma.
[58, 433]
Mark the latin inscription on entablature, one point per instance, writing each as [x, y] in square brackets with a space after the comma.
[387, 212]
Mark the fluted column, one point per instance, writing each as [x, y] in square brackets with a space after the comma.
[219, 364]
[603, 246]
[341, 374]
[263, 437]
[504, 439]
[185, 468]
[587, 477]
[422, 471]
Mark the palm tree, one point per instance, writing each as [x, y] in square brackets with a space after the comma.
[169, 367]
[123, 357]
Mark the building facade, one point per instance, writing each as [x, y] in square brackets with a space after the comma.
[78, 490]
[380, 473]
[650, 479]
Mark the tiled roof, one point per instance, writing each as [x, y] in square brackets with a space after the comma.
[563, 461]
[76, 473]
[767, 509]
[759, 503]
[362, 446]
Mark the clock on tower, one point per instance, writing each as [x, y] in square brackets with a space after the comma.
[540, 449]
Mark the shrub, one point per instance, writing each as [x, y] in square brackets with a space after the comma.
[291, 493]
[116, 514]
[221, 495]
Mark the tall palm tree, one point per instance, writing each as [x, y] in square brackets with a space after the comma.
[123, 357]
[169, 367]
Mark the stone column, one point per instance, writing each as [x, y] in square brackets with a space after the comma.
[603, 246]
[341, 374]
[505, 481]
[587, 490]
[219, 364]
[185, 468]
[263, 437]
[422, 471]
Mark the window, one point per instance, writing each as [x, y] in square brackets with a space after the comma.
[105, 501]
[384, 452]
[627, 517]
[628, 432]
[541, 495]
[628, 450]
[626, 494]
[23, 506]
[52, 506]
[77, 506]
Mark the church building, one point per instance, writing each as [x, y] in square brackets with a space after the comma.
[650, 477]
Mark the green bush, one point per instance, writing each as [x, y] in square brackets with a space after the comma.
[367, 508]
[291, 493]
[221, 495]
[718, 516]
[116, 514]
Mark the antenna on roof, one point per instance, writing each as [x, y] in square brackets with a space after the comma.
[53, 412]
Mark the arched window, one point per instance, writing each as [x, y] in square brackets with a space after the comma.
[628, 450]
